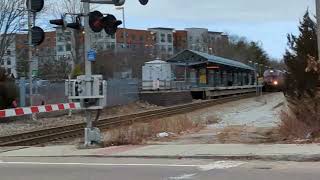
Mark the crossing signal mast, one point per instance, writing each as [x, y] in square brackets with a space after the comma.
[36, 36]
[88, 89]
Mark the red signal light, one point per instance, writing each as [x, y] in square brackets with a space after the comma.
[95, 22]
[109, 23]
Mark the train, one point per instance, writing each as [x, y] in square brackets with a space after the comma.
[273, 80]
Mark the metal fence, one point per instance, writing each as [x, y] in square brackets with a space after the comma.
[43, 92]
[119, 92]
[122, 91]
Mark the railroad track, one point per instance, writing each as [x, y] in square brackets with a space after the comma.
[77, 130]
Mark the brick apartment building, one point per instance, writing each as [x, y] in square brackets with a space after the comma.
[135, 38]
[180, 40]
[44, 52]
[157, 42]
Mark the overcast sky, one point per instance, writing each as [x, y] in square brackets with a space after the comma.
[267, 21]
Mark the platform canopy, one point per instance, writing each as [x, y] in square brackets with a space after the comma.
[190, 58]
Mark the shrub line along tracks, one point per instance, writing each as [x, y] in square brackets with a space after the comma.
[77, 130]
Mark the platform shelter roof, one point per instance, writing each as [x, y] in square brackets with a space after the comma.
[190, 58]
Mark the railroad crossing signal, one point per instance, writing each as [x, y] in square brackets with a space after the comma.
[38, 35]
[36, 5]
[109, 23]
[61, 22]
[97, 22]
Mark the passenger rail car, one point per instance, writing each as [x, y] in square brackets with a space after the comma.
[273, 80]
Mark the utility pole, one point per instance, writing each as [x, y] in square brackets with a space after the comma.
[124, 34]
[30, 47]
[318, 25]
[124, 25]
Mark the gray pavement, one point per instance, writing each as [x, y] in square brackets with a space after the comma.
[292, 152]
[156, 169]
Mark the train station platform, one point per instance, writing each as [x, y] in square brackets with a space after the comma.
[174, 97]
[166, 97]
[214, 92]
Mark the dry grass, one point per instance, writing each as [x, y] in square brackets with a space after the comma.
[302, 121]
[133, 107]
[247, 134]
[139, 133]
[212, 119]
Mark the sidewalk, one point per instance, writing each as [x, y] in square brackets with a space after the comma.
[280, 152]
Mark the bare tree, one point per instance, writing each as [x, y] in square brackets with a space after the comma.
[11, 17]
[54, 69]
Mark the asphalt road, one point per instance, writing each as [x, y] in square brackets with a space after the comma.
[151, 169]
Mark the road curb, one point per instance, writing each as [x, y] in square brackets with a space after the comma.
[296, 158]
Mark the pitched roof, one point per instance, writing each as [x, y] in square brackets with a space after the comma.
[218, 60]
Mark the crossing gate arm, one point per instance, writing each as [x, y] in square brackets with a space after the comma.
[38, 109]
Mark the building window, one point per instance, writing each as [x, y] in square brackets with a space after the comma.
[2, 62]
[68, 38]
[113, 45]
[163, 38]
[61, 58]
[8, 62]
[8, 52]
[133, 37]
[97, 36]
[141, 38]
[169, 38]
[68, 33]
[9, 70]
[60, 37]
[170, 49]
[68, 47]
[60, 48]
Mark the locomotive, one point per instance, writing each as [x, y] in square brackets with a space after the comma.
[273, 80]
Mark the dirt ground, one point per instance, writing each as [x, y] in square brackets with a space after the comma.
[249, 121]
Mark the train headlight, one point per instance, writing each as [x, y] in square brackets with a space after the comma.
[275, 83]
